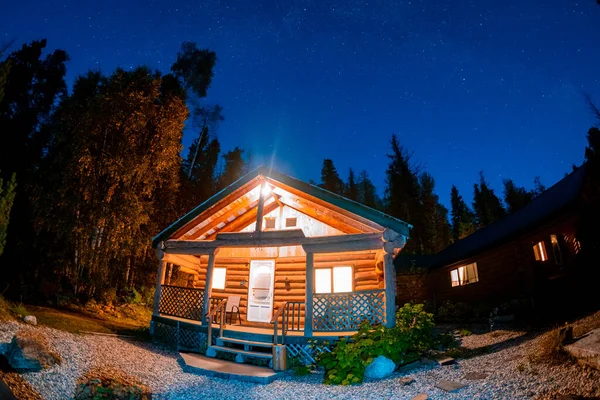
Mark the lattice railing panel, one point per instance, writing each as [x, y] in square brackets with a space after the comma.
[306, 353]
[181, 302]
[345, 311]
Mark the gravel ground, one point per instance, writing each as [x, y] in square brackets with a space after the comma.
[511, 376]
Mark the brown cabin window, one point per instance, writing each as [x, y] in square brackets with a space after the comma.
[270, 223]
[218, 280]
[539, 251]
[464, 275]
[291, 222]
[556, 249]
[333, 280]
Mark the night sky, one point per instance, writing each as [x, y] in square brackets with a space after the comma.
[467, 85]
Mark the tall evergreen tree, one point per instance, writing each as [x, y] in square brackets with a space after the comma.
[433, 217]
[7, 197]
[463, 219]
[402, 193]
[516, 197]
[234, 167]
[111, 173]
[330, 179]
[351, 191]
[538, 187]
[488, 207]
[367, 194]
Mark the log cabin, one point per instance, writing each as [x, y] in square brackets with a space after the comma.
[296, 261]
[528, 257]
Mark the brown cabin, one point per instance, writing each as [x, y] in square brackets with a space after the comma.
[271, 259]
[525, 256]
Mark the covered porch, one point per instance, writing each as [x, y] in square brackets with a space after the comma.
[298, 307]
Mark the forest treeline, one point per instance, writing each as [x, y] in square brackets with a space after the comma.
[87, 178]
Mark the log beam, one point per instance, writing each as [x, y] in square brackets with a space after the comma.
[309, 290]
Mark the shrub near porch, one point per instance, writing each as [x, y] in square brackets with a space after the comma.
[403, 344]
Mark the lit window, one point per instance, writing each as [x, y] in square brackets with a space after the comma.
[290, 222]
[340, 282]
[464, 275]
[556, 249]
[270, 223]
[218, 278]
[539, 250]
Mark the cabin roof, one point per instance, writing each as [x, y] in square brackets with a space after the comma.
[547, 205]
[252, 179]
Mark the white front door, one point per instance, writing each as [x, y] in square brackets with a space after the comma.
[260, 290]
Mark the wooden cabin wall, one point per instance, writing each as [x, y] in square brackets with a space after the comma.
[293, 268]
[510, 270]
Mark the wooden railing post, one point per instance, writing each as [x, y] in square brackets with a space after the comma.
[389, 276]
[208, 285]
[310, 285]
[160, 279]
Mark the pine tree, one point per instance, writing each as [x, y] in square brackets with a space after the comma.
[7, 197]
[433, 217]
[235, 167]
[351, 186]
[330, 179]
[487, 206]
[402, 193]
[516, 197]
[463, 219]
[367, 193]
[538, 188]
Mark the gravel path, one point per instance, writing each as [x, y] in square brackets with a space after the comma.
[510, 374]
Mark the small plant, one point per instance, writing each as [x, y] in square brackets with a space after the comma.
[134, 297]
[19, 310]
[492, 318]
[464, 332]
[295, 364]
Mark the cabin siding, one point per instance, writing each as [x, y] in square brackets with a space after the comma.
[510, 271]
[367, 275]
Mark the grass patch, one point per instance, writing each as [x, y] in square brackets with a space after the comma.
[77, 323]
[19, 310]
[5, 307]
[464, 353]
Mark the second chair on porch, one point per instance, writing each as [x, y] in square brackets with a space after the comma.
[233, 308]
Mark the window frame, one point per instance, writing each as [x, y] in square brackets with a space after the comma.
[556, 250]
[270, 219]
[291, 226]
[331, 275]
[224, 278]
[540, 252]
[465, 279]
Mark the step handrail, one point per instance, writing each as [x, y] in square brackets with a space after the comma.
[275, 321]
[210, 315]
[284, 312]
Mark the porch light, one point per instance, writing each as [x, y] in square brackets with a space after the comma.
[266, 191]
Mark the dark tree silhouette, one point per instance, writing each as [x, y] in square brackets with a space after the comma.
[463, 219]
[488, 207]
[235, 167]
[367, 193]
[516, 197]
[433, 217]
[330, 179]
[351, 191]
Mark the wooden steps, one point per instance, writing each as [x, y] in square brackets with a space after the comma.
[226, 345]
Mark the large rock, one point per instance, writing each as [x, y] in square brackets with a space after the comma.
[29, 351]
[587, 349]
[30, 319]
[381, 367]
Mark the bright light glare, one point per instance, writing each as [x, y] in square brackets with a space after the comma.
[266, 191]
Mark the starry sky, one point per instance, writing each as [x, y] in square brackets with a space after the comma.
[467, 85]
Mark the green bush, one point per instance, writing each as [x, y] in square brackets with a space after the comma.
[402, 344]
[133, 297]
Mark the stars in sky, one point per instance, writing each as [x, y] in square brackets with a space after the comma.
[468, 86]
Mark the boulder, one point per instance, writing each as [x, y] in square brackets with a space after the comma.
[30, 319]
[29, 351]
[380, 368]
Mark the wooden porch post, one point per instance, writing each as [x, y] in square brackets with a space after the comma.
[389, 276]
[393, 242]
[310, 283]
[160, 278]
[208, 285]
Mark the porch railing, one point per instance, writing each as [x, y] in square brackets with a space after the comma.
[336, 312]
[181, 302]
[289, 315]
[219, 312]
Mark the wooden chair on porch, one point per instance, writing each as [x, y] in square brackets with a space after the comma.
[233, 308]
